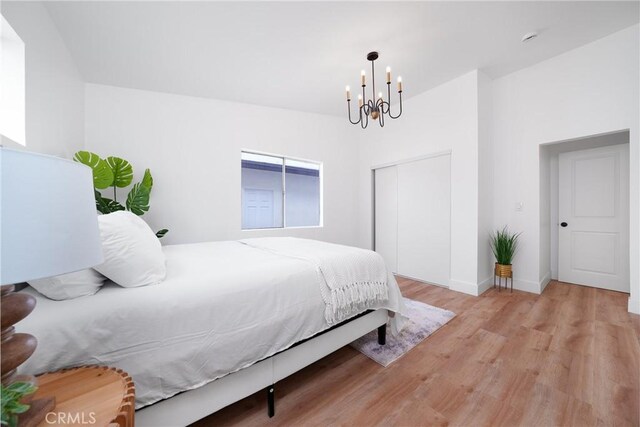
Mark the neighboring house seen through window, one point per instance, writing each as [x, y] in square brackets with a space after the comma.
[279, 192]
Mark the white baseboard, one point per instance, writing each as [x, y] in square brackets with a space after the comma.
[634, 306]
[485, 285]
[519, 284]
[545, 281]
[464, 287]
[526, 286]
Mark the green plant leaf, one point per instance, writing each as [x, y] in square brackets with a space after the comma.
[11, 396]
[21, 387]
[138, 199]
[504, 245]
[147, 179]
[105, 205]
[102, 174]
[19, 408]
[160, 233]
[122, 171]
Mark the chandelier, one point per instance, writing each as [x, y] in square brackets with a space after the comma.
[376, 108]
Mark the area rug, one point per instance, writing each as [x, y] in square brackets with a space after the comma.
[424, 319]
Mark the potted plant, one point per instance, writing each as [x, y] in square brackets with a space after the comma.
[13, 401]
[116, 172]
[504, 245]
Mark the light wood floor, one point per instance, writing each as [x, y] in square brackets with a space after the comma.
[570, 356]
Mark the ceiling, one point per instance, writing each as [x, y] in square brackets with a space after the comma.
[300, 55]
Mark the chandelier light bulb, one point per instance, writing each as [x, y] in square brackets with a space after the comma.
[380, 95]
[388, 74]
[362, 77]
[399, 84]
[348, 89]
[359, 100]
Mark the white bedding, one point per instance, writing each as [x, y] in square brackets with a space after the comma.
[222, 307]
[351, 279]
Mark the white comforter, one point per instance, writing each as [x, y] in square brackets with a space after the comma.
[351, 279]
[222, 307]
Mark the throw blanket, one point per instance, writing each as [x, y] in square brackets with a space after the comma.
[351, 279]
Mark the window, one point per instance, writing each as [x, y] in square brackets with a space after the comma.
[278, 192]
[12, 84]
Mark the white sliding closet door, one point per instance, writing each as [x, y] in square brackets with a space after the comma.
[386, 215]
[424, 219]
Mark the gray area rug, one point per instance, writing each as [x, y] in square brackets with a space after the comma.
[424, 319]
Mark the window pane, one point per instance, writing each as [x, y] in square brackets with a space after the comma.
[302, 185]
[12, 84]
[261, 191]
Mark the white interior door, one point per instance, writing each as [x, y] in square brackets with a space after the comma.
[386, 215]
[424, 219]
[594, 217]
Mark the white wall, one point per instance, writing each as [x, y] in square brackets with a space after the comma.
[54, 87]
[192, 147]
[444, 118]
[588, 91]
[485, 183]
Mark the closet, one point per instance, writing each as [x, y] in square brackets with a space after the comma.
[412, 217]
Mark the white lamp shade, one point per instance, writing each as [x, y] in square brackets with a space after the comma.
[48, 219]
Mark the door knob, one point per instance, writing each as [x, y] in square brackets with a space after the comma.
[563, 224]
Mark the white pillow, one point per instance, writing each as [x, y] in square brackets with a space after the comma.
[132, 253]
[71, 285]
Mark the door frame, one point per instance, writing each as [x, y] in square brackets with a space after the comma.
[549, 168]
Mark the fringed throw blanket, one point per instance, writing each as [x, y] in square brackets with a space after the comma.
[351, 279]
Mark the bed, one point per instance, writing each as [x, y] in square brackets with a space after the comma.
[223, 317]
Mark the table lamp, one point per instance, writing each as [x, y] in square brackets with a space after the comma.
[48, 227]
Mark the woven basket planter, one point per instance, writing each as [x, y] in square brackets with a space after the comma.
[503, 270]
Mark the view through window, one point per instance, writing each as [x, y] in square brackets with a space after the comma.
[279, 192]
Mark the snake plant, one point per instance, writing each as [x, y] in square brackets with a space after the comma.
[504, 245]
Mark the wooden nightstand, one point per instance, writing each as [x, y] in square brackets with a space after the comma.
[88, 396]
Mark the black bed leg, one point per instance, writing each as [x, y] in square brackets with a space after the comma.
[271, 401]
[382, 334]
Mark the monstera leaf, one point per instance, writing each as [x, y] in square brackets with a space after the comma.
[138, 199]
[117, 172]
[147, 179]
[122, 171]
[102, 174]
[105, 206]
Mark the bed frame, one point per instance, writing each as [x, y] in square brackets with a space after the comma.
[192, 405]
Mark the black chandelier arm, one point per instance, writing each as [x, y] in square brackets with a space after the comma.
[400, 103]
[366, 109]
[385, 107]
[371, 105]
[349, 110]
[364, 118]
[389, 96]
